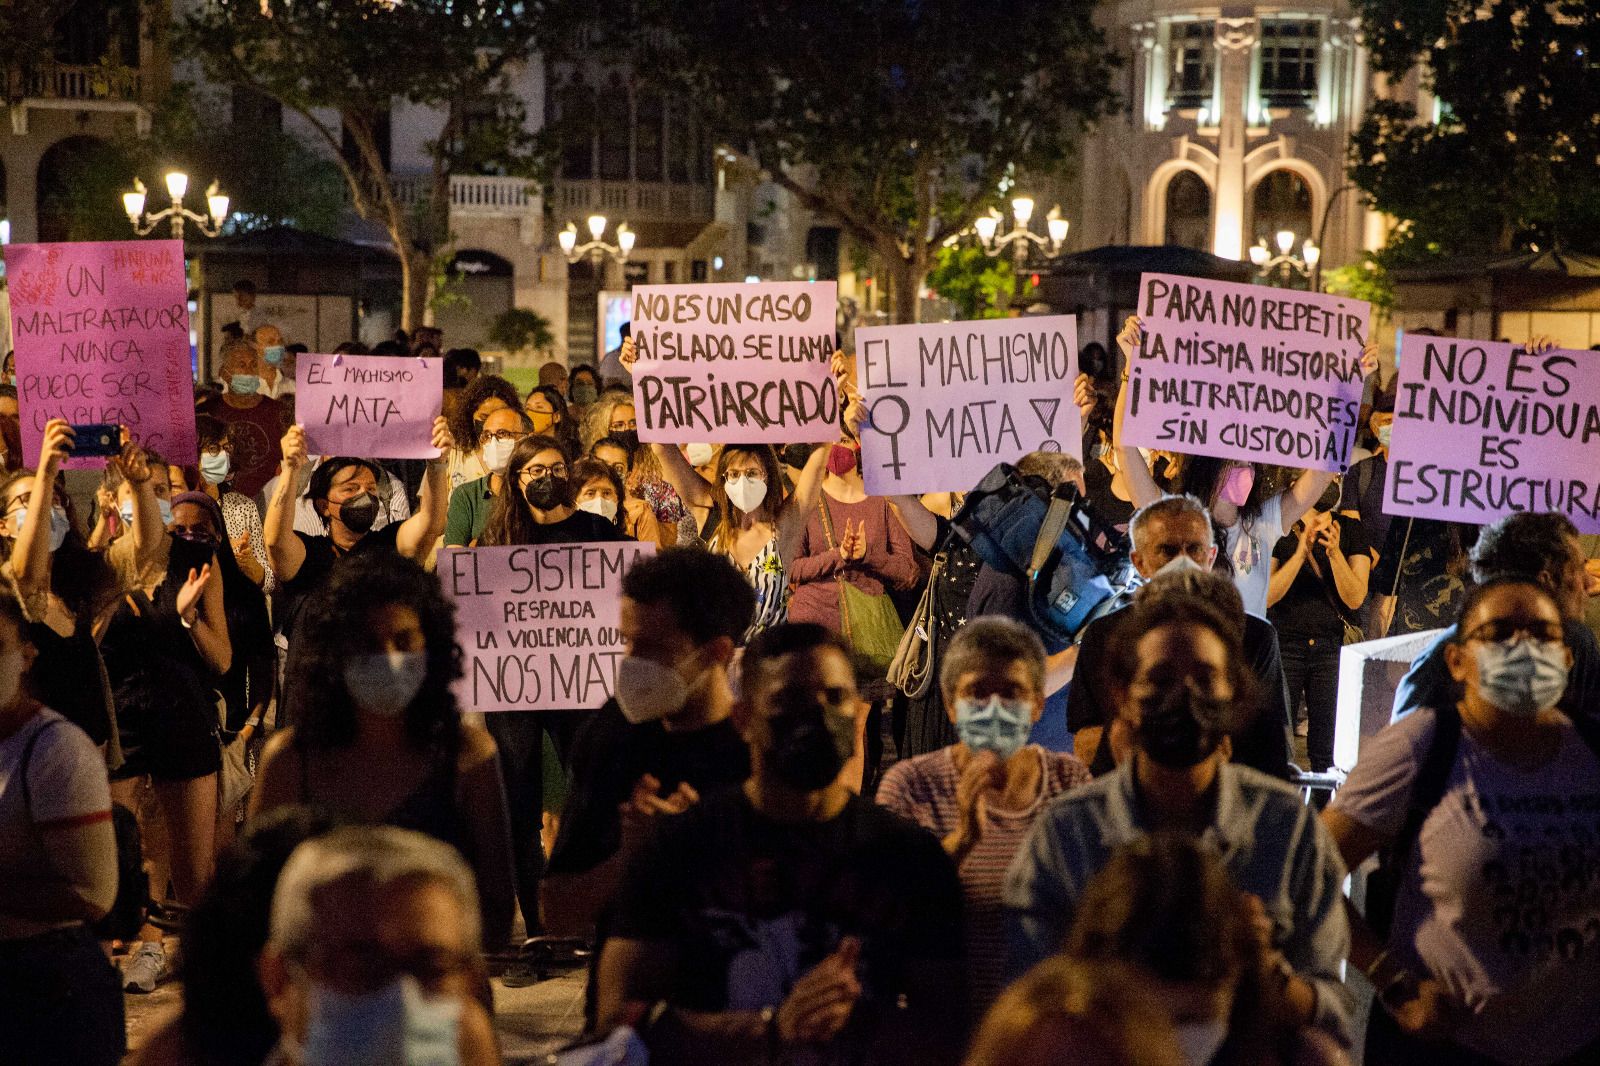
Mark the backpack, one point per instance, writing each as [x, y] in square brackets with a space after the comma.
[126, 916]
[1072, 561]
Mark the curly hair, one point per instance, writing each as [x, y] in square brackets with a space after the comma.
[511, 521]
[330, 630]
[463, 422]
[597, 423]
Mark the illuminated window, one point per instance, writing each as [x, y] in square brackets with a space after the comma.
[1289, 50]
[1194, 64]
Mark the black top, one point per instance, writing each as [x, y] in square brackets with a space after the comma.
[321, 557]
[609, 755]
[65, 676]
[576, 528]
[430, 808]
[1262, 743]
[1106, 504]
[1363, 493]
[1311, 609]
[1415, 567]
[750, 904]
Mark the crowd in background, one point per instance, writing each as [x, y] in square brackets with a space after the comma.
[851, 801]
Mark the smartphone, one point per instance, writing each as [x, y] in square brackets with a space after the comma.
[96, 439]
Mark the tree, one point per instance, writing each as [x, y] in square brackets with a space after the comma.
[980, 285]
[1514, 157]
[896, 118]
[519, 328]
[340, 64]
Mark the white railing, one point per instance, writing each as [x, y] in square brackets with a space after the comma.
[65, 81]
[471, 194]
[635, 200]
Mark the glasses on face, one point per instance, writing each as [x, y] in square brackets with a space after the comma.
[1501, 630]
[501, 435]
[754, 475]
[539, 470]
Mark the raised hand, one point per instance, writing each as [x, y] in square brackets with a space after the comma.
[294, 450]
[629, 354]
[441, 436]
[1369, 358]
[1083, 395]
[821, 1001]
[194, 586]
[56, 446]
[1132, 333]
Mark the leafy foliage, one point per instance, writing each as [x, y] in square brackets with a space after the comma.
[519, 329]
[978, 284]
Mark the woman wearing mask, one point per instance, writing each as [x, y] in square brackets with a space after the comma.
[980, 796]
[1479, 948]
[599, 491]
[547, 410]
[64, 588]
[484, 395]
[612, 415]
[1166, 905]
[239, 512]
[472, 503]
[537, 508]
[583, 389]
[1252, 516]
[344, 492]
[255, 421]
[378, 737]
[59, 1001]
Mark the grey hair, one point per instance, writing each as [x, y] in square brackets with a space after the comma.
[990, 639]
[1216, 589]
[1054, 467]
[1169, 507]
[380, 855]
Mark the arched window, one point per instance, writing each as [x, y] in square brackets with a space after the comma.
[1188, 211]
[1282, 201]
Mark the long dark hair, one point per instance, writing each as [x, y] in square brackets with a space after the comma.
[511, 521]
[565, 429]
[1201, 477]
[329, 631]
[81, 578]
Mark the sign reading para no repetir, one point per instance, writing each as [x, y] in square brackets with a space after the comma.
[374, 406]
[1482, 430]
[538, 624]
[1246, 372]
[736, 363]
[946, 402]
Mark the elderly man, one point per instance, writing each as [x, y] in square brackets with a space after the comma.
[372, 955]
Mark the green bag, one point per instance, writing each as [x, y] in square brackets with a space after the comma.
[870, 624]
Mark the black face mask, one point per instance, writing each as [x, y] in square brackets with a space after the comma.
[629, 439]
[359, 513]
[1182, 727]
[547, 493]
[808, 747]
[188, 553]
[203, 537]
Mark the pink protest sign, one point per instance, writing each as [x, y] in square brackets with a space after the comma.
[102, 336]
[735, 363]
[1246, 372]
[1482, 430]
[375, 406]
[946, 402]
[538, 624]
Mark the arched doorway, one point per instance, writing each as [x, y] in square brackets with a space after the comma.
[1281, 201]
[81, 182]
[1188, 211]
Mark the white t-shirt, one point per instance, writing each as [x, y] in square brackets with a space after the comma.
[66, 782]
[1501, 898]
[1249, 546]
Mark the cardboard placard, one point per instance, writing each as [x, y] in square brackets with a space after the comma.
[375, 407]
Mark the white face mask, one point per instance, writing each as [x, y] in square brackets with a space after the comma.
[497, 455]
[396, 1025]
[11, 666]
[385, 682]
[745, 493]
[1179, 564]
[646, 690]
[59, 525]
[603, 506]
[698, 454]
[1200, 1041]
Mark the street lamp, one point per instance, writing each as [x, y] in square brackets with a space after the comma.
[209, 224]
[1020, 239]
[596, 248]
[1285, 263]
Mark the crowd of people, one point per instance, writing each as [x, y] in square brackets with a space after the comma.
[852, 799]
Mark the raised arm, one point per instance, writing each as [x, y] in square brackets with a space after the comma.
[796, 510]
[200, 609]
[921, 523]
[147, 530]
[692, 489]
[286, 551]
[419, 533]
[30, 556]
[1142, 488]
[1307, 488]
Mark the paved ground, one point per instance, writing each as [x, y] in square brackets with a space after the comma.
[532, 1021]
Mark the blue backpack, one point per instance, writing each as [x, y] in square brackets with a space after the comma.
[1073, 562]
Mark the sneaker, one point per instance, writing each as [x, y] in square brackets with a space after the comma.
[145, 968]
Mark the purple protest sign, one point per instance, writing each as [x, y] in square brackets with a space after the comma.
[736, 363]
[375, 406]
[102, 336]
[539, 624]
[946, 402]
[1482, 430]
[1246, 372]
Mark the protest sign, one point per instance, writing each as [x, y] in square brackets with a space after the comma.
[380, 407]
[1483, 429]
[946, 402]
[735, 363]
[1246, 372]
[102, 336]
[538, 624]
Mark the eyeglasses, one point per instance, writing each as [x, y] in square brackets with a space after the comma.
[501, 436]
[753, 475]
[538, 470]
[1501, 630]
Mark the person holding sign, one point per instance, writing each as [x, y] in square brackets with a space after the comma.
[378, 736]
[344, 492]
[1252, 520]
